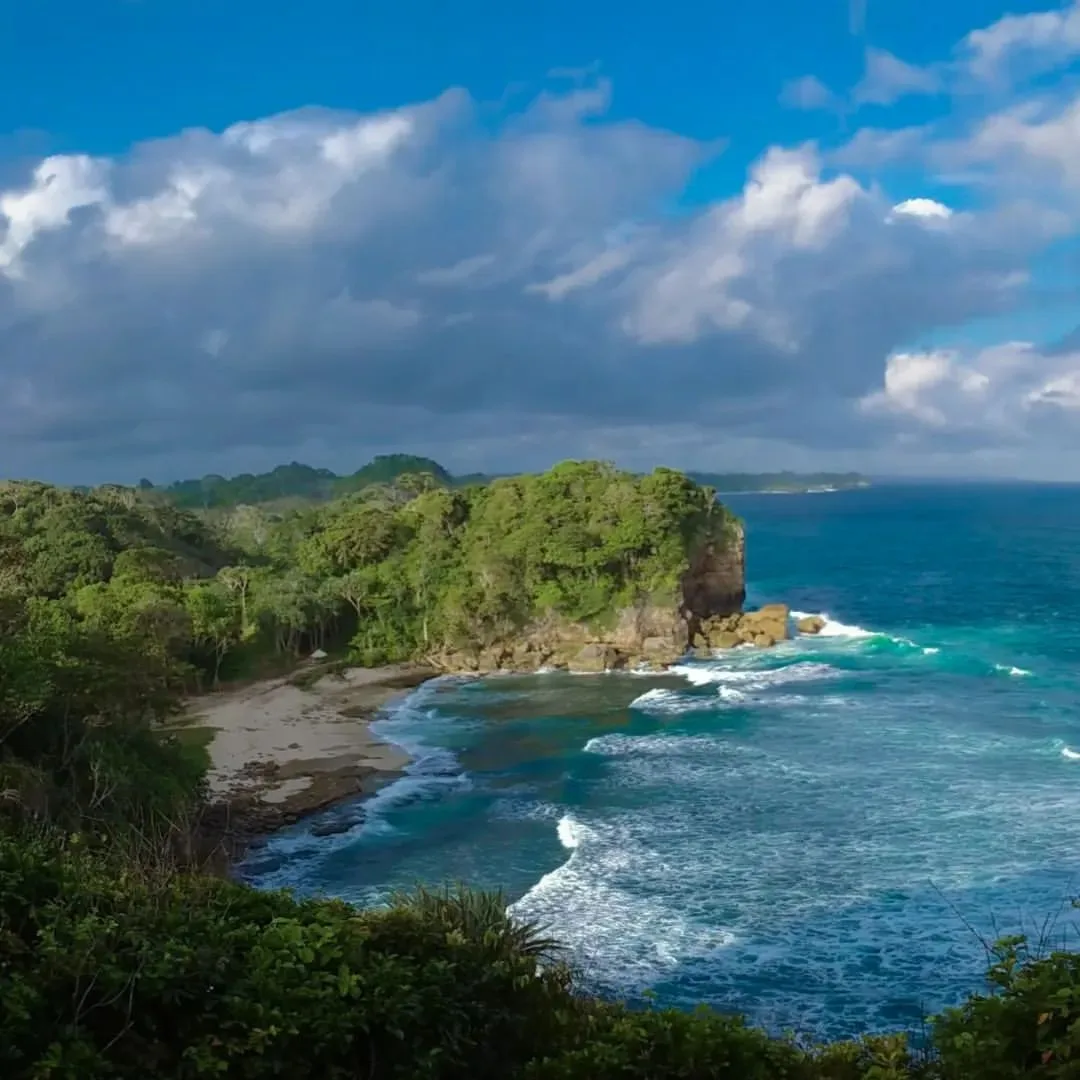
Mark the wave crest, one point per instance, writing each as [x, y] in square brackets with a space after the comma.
[754, 678]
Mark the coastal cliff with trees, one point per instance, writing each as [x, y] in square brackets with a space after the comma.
[119, 957]
[523, 571]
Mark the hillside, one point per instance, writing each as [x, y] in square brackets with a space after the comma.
[393, 571]
[294, 484]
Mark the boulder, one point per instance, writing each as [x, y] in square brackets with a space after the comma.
[771, 620]
[811, 624]
[724, 639]
[764, 641]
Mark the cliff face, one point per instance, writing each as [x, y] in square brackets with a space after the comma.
[715, 583]
[712, 587]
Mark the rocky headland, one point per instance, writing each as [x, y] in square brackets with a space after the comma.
[707, 613]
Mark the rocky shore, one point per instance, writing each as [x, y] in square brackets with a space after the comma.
[283, 749]
[643, 637]
[287, 748]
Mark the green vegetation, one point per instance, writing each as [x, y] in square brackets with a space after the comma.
[119, 959]
[389, 573]
[289, 486]
[110, 969]
[294, 482]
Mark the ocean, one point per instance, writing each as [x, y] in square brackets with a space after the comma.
[824, 836]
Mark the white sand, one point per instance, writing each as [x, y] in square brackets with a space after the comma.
[300, 731]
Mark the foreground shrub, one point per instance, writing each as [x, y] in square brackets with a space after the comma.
[612, 1042]
[110, 970]
[1029, 1027]
[105, 973]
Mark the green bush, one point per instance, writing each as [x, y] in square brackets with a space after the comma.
[1030, 1025]
[111, 971]
[108, 972]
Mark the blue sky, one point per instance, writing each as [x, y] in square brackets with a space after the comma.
[98, 77]
[715, 235]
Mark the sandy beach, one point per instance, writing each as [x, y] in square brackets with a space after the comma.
[280, 750]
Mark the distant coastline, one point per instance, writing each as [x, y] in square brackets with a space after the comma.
[785, 483]
[294, 485]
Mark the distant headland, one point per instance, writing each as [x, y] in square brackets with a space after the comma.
[295, 483]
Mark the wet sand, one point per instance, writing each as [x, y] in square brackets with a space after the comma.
[280, 751]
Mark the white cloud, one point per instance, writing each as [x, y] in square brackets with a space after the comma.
[1034, 142]
[927, 209]
[587, 274]
[1013, 392]
[1037, 41]
[807, 93]
[60, 184]
[887, 79]
[416, 277]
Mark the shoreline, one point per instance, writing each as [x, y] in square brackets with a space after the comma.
[281, 751]
[286, 748]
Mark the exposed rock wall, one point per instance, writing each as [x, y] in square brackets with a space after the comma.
[715, 583]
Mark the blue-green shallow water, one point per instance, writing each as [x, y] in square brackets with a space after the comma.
[800, 834]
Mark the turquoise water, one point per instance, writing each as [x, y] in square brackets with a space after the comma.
[816, 835]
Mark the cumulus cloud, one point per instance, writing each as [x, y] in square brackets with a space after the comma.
[325, 285]
[927, 209]
[1013, 393]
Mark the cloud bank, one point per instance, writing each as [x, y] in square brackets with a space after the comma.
[326, 285]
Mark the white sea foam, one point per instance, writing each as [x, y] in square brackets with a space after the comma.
[754, 678]
[1009, 669]
[833, 627]
[571, 832]
[672, 702]
[620, 935]
[659, 700]
[1072, 755]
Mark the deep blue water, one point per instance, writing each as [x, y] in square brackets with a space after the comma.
[815, 835]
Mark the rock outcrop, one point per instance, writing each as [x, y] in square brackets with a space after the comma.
[810, 624]
[643, 634]
[763, 628]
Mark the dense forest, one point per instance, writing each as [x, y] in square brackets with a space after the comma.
[391, 572]
[291, 485]
[120, 957]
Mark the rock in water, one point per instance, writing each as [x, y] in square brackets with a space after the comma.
[811, 624]
[769, 621]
